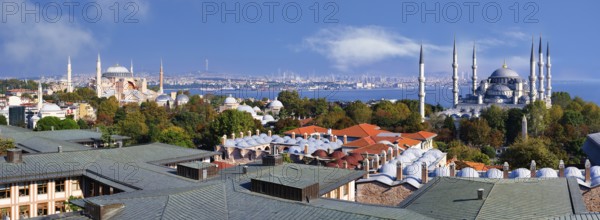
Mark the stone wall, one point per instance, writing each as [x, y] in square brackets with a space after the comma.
[381, 194]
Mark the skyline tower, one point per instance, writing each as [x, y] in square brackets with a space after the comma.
[69, 82]
[455, 76]
[98, 77]
[160, 90]
[422, 86]
[474, 78]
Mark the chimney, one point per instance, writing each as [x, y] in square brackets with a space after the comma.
[452, 169]
[305, 135]
[244, 169]
[532, 169]
[233, 136]
[383, 157]
[329, 150]
[366, 162]
[561, 168]
[588, 165]
[335, 138]
[241, 134]
[59, 149]
[424, 173]
[293, 135]
[505, 168]
[345, 164]
[249, 133]
[397, 151]
[223, 139]
[257, 132]
[331, 138]
[399, 171]
[480, 194]
[306, 149]
[345, 139]
[389, 154]
[174, 95]
[269, 133]
[329, 131]
[14, 155]
[318, 136]
[52, 128]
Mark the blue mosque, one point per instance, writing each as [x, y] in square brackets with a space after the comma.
[504, 87]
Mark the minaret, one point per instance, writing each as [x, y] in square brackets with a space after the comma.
[524, 127]
[131, 67]
[98, 77]
[422, 86]
[206, 65]
[474, 70]
[532, 77]
[542, 92]
[548, 76]
[160, 78]
[69, 82]
[40, 96]
[455, 75]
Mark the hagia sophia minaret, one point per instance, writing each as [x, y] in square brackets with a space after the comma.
[69, 82]
[40, 96]
[542, 92]
[160, 90]
[548, 76]
[98, 77]
[474, 71]
[532, 77]
[422, 86]
[455, 76]
[131, 67]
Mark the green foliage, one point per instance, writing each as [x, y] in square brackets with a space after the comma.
[107, 132]
[228, 122]
[495, 116]
[489, 151]
[176, 136]
[72, 206]
[562, 99]
[67, 124]
[286, 124]
[83, 124]
[133, 126]
[107, 110]
[48, 123]
[537, 117]
[475, 131]
[465, 153]
[522, 152]
[513, 124]
[390, 115]
[572, 118]
[286, 158]
[359, 112]
[6, 144]
[3, 120]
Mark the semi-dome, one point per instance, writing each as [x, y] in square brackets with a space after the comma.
[275, 104]
[547, 173]
[48, 107]
[230, 100]
[117, 71]
[182, 98]
[521, 173]
[504, 72]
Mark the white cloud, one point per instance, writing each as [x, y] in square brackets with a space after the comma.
[349, 47]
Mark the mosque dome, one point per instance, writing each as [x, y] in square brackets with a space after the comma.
[182, 98]
[268, 118]
[49, 107]
[117, 71]
[230, 100]
[246, 108]
[256, 109]
[275, 104]
[164, 98]
[504, 72]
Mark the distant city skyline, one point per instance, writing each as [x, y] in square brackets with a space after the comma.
[348, 38]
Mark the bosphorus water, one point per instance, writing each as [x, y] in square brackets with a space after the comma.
[588, 90]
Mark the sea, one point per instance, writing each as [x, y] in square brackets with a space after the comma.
[442, 94]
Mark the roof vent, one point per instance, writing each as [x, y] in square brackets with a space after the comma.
[480, 194]
[59, 149]
[107, 211]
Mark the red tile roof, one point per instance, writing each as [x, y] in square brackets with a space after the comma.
[223, 165]
[362, 142]
[305, 121]
[421, 135]
[360, 130]
[308, 129]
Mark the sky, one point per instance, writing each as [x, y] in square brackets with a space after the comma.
[309, 38]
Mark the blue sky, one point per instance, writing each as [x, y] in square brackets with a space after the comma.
[378, 38]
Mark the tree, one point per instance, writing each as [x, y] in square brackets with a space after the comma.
[107, 133]
[83, 124]
[489, 151]
[134, 126]
[67, 124]
[572, 118]
[6, 144]
[465, 153]
[475, 131]
[176, 136]
[107, 110]
[495, 116]
[359, 112]
[537, 117]
[3, 120]
[388, 115]
[522, 152]
[286, 124]
[513, 124]
[226, 123]
[562, 99]
[48, 123]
